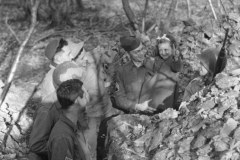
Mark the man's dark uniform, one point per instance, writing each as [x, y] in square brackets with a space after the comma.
[156, 81]
[46, 117]
[131, 82]
[63, 143]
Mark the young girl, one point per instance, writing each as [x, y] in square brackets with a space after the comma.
[166, 67]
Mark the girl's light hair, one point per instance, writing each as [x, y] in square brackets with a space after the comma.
[167, 38]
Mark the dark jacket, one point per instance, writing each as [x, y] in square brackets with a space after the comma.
[45, 119]
[130, 82]
[63, 142]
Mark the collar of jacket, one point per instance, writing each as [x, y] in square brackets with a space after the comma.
[132, 65]
[58, 105]
[68, 122]
[137, 64]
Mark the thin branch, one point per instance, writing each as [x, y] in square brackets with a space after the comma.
[151, 28]
[223, 7]
[20, 51]
[12, 31]
[188, 8]
[214, 14]
[130, 14]
[144, 16]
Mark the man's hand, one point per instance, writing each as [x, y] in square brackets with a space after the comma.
[145, 107]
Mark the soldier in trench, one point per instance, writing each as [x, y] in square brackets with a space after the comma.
[57, 52]
[66, 140]
[132, 77]
[47, 115]
[148, 85]
[166, 66]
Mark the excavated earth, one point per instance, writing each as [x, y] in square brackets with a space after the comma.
[207, 127]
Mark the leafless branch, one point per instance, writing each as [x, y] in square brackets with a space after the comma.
[151, 28]
[171, 12]
[189, 9]
[20, 51]
[128, 29]
[159, 17]
[130, 14]
[144, 16]
[12, 31]
[223, 7]
[214, 14]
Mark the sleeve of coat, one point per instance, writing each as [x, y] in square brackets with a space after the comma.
[61, 149]
[41, 130]
[120, 95]
[176, 65]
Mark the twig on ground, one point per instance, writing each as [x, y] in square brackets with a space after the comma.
[214, 14]
[20, 51]
[12, 31]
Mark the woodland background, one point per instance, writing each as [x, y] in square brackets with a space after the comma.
[196, 25]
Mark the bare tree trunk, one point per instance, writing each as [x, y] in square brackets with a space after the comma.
[144, 16]
[20, 51]
[130, 15]
[80, 4]
[188, 9]
[214, 14]
[171, 12]
[60, 14]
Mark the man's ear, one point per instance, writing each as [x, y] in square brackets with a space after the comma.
[56, 59]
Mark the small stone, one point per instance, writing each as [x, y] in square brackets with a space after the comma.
[11, 143]
[236, 134]
[10, 156]
[228, 127]
[227, 82]
[15, 133]
[235, 72]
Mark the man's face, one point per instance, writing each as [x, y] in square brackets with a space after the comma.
[63, 55]
[138, 54]
[165, 50]
[81, 60]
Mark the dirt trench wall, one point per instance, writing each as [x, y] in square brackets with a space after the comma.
[206, 129]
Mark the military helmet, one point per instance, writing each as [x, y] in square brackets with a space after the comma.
[65, 71]
[208, 58]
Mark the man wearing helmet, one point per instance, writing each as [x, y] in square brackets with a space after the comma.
[57, 52]
[208, 61]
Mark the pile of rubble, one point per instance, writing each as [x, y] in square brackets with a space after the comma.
[205, 128]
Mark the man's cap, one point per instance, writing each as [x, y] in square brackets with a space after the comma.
[51, 49]
[62, 69]
[75, 48]
[208, 58]
[129, 43]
